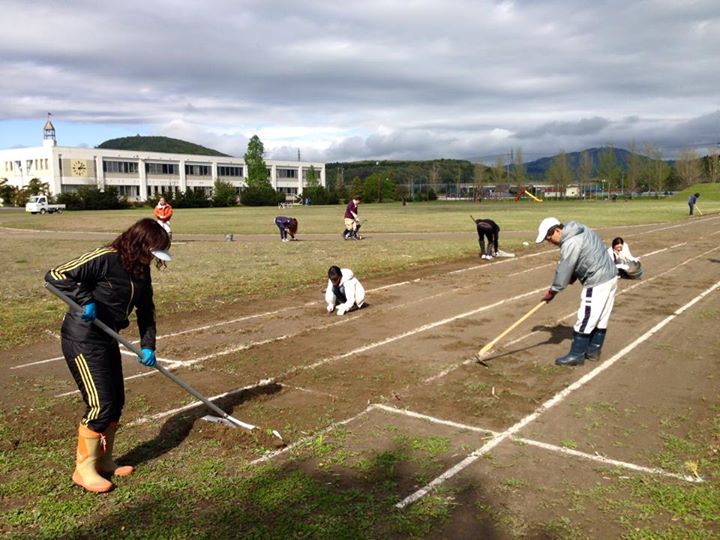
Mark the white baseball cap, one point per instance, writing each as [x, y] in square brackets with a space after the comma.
[545, 225]
[161, 254]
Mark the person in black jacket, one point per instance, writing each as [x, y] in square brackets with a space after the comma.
[487, 228]
[108, 283]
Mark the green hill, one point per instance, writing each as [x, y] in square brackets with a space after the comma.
[166, 145]
[708, 192]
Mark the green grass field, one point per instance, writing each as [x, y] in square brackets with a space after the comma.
[206, 273]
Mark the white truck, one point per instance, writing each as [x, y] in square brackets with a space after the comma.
[38, 204]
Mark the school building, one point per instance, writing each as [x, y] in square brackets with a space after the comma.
[139, 175]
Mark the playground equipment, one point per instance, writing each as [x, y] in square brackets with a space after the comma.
[524, 191]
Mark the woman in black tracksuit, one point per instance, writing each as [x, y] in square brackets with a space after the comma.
[108, 283]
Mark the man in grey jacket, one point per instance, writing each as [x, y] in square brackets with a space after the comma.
[582, 256]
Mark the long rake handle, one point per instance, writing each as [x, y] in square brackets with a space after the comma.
[514, 325]
[174, 378]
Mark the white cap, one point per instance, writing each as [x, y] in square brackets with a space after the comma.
[545, 225]
[161, 254]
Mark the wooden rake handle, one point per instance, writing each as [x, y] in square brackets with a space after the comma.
[514, 325]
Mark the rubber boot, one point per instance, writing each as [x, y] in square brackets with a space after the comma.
[106, 465]
[576, 356]
[89, 450]
[597, 338]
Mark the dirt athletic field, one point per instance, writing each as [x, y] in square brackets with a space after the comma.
[522, 434]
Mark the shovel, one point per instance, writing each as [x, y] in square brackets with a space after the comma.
[224, 417]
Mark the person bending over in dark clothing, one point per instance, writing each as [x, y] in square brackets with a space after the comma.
[287, 225]
[488, 229]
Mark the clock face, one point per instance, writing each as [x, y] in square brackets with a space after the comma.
[79, 168]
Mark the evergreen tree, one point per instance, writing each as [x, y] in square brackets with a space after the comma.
[257, 175]
[224, 194]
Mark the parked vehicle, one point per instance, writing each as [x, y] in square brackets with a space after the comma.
[38, 204]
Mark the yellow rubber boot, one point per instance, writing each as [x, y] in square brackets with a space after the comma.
[106, 465]
[89, 450]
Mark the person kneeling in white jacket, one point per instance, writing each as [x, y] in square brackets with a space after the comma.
[344, 291]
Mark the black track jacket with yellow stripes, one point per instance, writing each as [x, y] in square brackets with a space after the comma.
[98, 276]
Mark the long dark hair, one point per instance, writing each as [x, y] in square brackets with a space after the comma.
[293, 226]
[617, 241]
[135, 246]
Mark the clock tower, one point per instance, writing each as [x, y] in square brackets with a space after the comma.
[49, 133]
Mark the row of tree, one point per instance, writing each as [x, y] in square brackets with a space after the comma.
[628, 171]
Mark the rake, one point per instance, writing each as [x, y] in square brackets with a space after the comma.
[223, 417]
[514, 325]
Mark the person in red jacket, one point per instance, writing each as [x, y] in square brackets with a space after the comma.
[163, 212]
[108, 283]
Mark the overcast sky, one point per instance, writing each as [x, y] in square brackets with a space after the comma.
[352, 80]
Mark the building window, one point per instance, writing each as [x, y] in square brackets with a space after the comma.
[128, 191]
[286, 173]
[162, 168]
[197, 170]
[122, 167]
[228, 170]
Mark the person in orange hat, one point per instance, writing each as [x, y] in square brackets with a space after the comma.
[108, 283]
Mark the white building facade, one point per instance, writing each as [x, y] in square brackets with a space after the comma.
[139, 175]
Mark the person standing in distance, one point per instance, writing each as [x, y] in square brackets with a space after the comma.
[108, 283]
[582, 256]
[163, 212]
[344, 291]
[351, 219]
[692, 201]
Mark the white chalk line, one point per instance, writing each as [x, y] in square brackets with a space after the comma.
[310, 391]
[557, 398]
[545, 446]
[122, 351]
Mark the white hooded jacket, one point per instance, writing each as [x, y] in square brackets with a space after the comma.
[622, 259]
[354, 292]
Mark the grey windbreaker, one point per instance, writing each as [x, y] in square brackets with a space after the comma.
[583, 255]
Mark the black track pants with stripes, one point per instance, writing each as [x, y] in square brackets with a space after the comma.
[97, 370]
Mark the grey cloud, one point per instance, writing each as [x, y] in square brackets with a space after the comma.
[585, 126]
[422, 80]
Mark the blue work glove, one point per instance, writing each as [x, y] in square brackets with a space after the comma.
[147, 358]
[89, 312]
